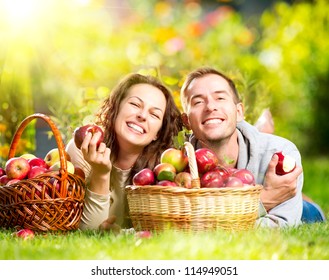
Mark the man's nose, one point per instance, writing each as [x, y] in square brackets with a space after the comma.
[210, 105]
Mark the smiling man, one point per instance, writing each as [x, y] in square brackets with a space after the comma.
[215, 114]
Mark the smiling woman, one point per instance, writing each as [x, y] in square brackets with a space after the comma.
[140, 120]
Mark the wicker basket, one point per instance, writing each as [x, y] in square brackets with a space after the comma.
[49, 202]
[197, 209]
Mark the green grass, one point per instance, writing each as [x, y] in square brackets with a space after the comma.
[306, 242]
[316, 181]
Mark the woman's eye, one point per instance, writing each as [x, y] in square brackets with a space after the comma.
[155, 115]
[134, 104]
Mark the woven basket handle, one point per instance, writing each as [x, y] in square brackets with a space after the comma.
[193, 165]
[57, 135]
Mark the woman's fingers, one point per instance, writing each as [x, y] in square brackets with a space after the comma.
[90, 144]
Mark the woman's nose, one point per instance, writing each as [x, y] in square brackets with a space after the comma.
[141, 116]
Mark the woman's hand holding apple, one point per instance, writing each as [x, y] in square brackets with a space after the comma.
[96, 154]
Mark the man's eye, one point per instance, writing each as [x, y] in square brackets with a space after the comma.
[197, 102]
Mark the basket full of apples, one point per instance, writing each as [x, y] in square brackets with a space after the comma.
[41, 194]
[188, 190]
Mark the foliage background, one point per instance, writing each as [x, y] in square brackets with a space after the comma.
[63, 57]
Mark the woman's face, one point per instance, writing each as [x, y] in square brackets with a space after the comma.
[140, 116]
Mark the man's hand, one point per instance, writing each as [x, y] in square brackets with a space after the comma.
[278, 189]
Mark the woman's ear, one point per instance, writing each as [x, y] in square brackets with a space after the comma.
[185, 121]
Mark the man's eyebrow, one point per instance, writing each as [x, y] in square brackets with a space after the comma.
[215, 92]
[222, 91]
[196, 96]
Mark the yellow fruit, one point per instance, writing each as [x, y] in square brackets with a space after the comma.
[53, 156]
[57, 165]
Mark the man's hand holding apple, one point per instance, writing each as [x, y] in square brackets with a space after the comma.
[278, 188]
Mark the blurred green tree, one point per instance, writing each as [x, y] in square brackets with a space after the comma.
[66, 58]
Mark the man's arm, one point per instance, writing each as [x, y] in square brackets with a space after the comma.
[278, 189]
[282, 195]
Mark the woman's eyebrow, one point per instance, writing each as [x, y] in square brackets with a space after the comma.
[141, 100]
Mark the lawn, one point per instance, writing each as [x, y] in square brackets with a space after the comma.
[303, 243]
[306, 242]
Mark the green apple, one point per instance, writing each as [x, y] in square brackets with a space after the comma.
[175, 157]
[57, 165]
[165, 171]
[184, 180]
[53, 156]
[28, 156]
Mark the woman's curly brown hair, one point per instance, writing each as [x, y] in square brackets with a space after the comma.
[171, 125]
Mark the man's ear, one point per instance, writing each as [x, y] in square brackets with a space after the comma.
[239, 112]
[185, 121]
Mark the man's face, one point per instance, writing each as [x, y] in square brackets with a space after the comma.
[211, 110]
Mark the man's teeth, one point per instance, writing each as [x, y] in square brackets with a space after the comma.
[136, 127]
[213, 121]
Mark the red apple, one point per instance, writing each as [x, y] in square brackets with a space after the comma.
[211, 179]
[175, 157]
[231, 170]
[56, 183]
[164, 171]
[166, 183]
[233, 182]
[223, 171]
[2, 171]
[79, 171]
[4, 180]
[245, 176]
[206, 160]
[81, 132]
[144, 177]
[35, 171]
[285, 165]
[184, 180]
[12, 181]
[143, 234]
[24, 233]
[17, 168]
[37, 162]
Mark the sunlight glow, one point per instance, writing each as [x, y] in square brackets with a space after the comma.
[82, 2]
[20, 13]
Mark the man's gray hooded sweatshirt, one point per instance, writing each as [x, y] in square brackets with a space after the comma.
[255, 152]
